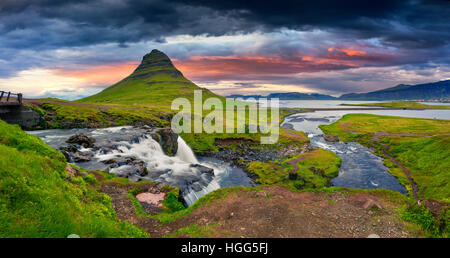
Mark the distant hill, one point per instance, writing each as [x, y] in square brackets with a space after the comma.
[288, 96]
[426, 91]
[155, 82]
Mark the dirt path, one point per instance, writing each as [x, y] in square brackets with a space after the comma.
[276, 212]
[280, 213]
[293, 162]
[385, 149]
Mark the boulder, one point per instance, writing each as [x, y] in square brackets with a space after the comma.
[83, 140]
[331, 138]
[82, 156]
[70, 148]
[168, 140]
[67, 151]
[202, 169]
[127, 166]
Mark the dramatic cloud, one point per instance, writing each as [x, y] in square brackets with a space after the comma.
[73, 48]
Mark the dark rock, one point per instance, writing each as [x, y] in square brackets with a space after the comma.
[140, 168]
[109, 161]
[155, 173]
[202, 169]
[82, 156]
[107, 148]
[70, 148]
[67, 156]
[293, 176]
[83, 140]
[331, 138]
[168, 140]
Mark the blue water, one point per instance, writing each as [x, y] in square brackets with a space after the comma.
[360, 168]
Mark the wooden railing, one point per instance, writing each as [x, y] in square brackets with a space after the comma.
[8, 98]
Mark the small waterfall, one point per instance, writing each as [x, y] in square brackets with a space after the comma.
[193, 196]
[125, 150]
[185, 153]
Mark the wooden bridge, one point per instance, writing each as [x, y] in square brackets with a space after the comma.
[10, 99]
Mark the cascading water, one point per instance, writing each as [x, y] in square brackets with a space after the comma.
[125, 151]
[184, 152]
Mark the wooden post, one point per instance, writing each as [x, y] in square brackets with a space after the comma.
[9, 94]
[19, 98]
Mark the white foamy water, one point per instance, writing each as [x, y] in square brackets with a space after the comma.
[184, 152]
[124, 143]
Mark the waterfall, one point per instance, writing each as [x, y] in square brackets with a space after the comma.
[185, 153]
[125, 151]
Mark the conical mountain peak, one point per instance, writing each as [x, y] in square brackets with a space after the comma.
[155, 81]
[155, 60]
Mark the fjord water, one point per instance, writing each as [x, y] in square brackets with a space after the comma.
[178, 171]
[360, 168]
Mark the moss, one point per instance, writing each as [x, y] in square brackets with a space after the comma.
[172, 202]
[315, 170]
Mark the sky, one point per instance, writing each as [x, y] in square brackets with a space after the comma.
[72, 49]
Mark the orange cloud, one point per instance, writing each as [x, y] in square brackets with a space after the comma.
[349, 52]
[100, 75]
[253, 67]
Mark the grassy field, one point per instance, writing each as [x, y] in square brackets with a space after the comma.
[39, 200]
[421, 145]
[308, 170]
[401, 104]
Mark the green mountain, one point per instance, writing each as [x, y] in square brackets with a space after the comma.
[426, 91]
[155, 82]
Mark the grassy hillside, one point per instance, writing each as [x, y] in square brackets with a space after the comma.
[39, 199]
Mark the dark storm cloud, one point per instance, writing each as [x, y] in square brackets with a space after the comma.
[69, 34]
[400, 23]
[54, 23]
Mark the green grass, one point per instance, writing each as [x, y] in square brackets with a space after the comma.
[422, 217]
[37, 200]
[277, 172]
[401, 104]
[428, 158]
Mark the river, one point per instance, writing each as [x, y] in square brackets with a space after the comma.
[127, 146]
[360, 168]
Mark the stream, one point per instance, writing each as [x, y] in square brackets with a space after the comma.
[360, 168]
[120, 150]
